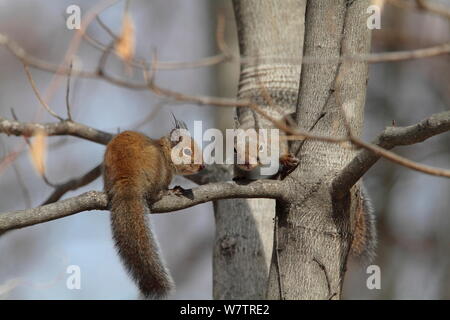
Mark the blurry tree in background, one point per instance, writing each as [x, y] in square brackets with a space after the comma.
[187, 54]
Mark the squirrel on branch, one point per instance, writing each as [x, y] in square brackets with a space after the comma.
[137, 170]
[364, 239]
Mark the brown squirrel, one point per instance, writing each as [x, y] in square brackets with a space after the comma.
[137, 170]
[248, 162]
[364, 234]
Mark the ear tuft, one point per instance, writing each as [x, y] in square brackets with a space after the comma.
[178, 123]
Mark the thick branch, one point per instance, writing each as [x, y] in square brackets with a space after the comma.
[27, 129]
[390, 138]
[92, 200]
[96, 200]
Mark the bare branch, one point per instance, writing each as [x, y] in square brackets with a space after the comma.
[424, 5]
[390, 138]
[224, 55]
[96, 200]
[434, 7]
[438, 50]
[92, 200]
[69, 113]
[73, 184]
[216, 101]
[27, 141]
[22, 185]
[28, 129]
[106, 28]
[38, 95]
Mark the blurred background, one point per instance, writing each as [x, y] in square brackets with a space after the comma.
[412, 209]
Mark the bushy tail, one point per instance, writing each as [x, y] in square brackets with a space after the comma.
[365, 235]
[136, 245]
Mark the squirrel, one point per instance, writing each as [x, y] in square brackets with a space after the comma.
[248, 161]
[364, 234]
[137, 170]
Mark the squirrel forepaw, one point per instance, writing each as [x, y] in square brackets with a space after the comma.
[289, 161]
[178, 191]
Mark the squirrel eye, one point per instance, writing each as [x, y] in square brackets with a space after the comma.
[261, 147]
[187, 151]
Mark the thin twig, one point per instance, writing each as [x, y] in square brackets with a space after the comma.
[224, 55]
[73, 184]
[28, 142]
[69, 114]
[38, 95]
[434, 7]
[327, 278]
[106, 28]
[426, 6]
[401, 160]
[22, 185]
[149, 77]
[103, 58]
[74, 44]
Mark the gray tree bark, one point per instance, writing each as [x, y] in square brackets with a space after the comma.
[272, 34]
[313, 229]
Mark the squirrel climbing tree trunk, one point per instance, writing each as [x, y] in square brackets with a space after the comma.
[312, 234]
[244, 227]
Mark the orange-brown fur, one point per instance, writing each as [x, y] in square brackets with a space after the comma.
[136, 170]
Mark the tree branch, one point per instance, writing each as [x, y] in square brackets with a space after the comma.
[390, 138]
[38, 95]
[424, 5]
[66, 127]
[73, 184]
[96, 200]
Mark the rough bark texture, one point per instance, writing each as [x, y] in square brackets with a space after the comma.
[272, 34]
[314, 229]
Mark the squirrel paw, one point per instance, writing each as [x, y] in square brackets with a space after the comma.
[181, 192]
[289, 161]
[178, 191]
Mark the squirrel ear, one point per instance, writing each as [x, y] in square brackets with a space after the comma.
[178, 123]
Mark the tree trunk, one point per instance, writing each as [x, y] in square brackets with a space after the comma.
[272, 34]
[313, 233]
